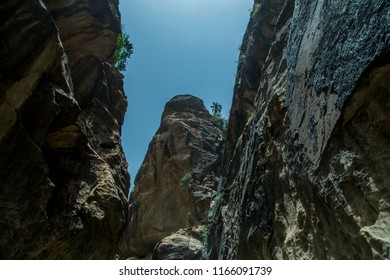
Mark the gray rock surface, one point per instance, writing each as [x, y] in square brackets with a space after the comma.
[306, 178]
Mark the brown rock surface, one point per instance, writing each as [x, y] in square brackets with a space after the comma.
[187, 142]
[307, 175]
[63, 174]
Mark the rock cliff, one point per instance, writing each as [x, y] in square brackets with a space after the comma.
[306, 160]
[63, 174]
[302, 173]
[175, 184]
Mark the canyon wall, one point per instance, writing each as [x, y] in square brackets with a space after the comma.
[305, 166]
[63, 174]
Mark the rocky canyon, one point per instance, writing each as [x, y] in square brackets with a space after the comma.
[300, 172]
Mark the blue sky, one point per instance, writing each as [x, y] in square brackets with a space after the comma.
[180, 46]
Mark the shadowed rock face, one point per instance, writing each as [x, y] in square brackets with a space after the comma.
[307, 175]
[63, 175]
[187, 142]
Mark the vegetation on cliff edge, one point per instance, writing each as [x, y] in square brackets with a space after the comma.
[218, 120]
[123, 51]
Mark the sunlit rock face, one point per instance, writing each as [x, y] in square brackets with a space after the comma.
[305, 175]
[187, 144]
[63, 175]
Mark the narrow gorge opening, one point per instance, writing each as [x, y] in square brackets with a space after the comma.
[180, 47]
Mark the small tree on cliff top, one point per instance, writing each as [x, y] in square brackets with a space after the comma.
[216, 108]
[218, 120]
[123, 51]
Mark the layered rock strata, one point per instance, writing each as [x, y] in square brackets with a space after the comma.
[175, 184]
[307, 176]
[63, 174]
